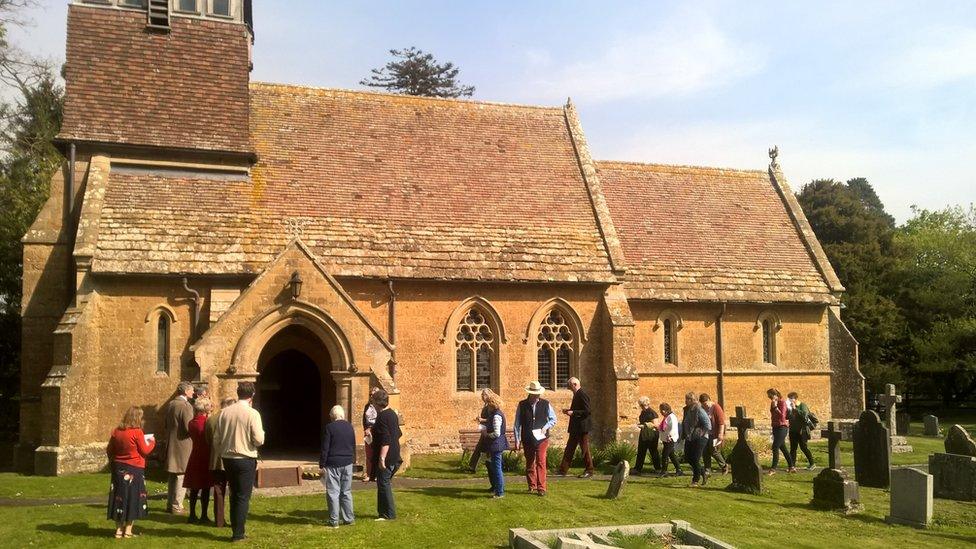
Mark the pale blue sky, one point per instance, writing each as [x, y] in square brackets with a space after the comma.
[884, 90]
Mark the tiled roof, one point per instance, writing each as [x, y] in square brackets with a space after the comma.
[380, 185]
[702, 234]
[185, 89]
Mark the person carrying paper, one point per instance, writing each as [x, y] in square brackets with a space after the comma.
[534, 418]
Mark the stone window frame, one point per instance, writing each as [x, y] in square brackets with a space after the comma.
[669, 320]
[232, 6]
[767, 326]
[175, 6]
[152, 338]
[571, 320]
[450, 338]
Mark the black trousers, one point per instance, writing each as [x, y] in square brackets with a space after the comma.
[240, 479]
[668, 453]
[713, 451]
[643, 446]
[799, 439]
[694, 447]
[779, 445]
[385, 506]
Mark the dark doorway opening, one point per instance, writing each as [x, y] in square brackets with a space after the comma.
[295, 391]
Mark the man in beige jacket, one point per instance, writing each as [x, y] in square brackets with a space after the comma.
[238, 435]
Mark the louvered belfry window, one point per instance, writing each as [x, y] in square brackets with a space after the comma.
[475, 355]
[555, 354]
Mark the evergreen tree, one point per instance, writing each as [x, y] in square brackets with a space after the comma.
[414, 72]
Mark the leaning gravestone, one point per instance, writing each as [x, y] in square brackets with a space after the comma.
[955, 471]
[831, 488]
[890, 400]
[872, 451]
[620, 474]
[746, 472]
[903, 423]
[911, 497]
[931, 426]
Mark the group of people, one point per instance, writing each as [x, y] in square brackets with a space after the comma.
[217, 452]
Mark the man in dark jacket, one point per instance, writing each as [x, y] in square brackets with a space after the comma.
[580, 424]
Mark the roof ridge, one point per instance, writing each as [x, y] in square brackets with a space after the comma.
[415, 98]
[680, 167]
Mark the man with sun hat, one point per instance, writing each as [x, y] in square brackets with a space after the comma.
[534, 417]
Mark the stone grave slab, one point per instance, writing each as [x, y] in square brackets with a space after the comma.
[903, 423]
[620, 474]
[959, 442]
[831, 490]
[744, 462]
[911, 497]
[954, 476]
[931, 426]
[872, 451]
[890, 400]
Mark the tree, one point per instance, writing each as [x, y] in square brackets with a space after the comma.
[857, 235]
[29, 120]
[414, 72]
[936, 270]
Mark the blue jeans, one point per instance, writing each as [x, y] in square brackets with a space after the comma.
[495, 475]
[338, 494]
[385, 506]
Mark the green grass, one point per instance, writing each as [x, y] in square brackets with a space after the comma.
[465, 517]
[15, 486]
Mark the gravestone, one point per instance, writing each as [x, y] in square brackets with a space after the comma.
[955, 471]
[903, 423]
[931, 426]
[872, 451]
[911, 497]
[954, 476]
[959, 442]
[834, 435]
[890, 400]
[831, 490]
[620, 474]
[746, 472]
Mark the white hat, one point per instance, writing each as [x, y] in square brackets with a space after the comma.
[535, 388]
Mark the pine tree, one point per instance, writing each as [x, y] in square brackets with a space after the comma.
[415, 72]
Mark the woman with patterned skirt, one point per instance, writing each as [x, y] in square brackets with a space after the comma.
[127, 450]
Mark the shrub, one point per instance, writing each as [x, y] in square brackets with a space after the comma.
[513, 462]
[615, 452]
[554, 456]
[761, 444]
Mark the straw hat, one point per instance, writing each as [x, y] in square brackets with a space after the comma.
[535, 388]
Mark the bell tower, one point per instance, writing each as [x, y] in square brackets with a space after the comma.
[159, 77]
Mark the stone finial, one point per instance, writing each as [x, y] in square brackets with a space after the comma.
[295, 227]
[773, 154]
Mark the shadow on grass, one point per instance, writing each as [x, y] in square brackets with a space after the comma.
[83, 529]
[455, 492]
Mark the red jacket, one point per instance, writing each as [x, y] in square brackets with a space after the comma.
[129, 446]
[778, 413]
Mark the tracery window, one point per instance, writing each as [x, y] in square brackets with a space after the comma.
[475, 352]
[555, 355]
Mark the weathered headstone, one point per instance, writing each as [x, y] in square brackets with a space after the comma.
[959, 442]
[831, 490]
[872, 451]
[931, 426]
[834, 435]
[620, 474]
[911, 497]
[890, 400]
[746, 472]
[903, 423]
[954, 476]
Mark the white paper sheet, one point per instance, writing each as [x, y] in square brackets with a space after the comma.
[538, 434]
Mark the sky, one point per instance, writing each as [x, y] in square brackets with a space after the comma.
[883, 90]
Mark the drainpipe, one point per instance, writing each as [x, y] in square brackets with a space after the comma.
[392, 328]
[719, 359]
[196, 310]
[69, 189]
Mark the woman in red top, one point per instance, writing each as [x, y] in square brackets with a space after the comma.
[127, 450]
[198, 479]
[781, 428]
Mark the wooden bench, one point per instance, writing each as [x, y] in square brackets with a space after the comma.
[469, 439]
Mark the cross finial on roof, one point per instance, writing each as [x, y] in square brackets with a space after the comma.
[773, 154]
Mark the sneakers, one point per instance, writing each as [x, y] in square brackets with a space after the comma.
[810, 467]
[770, 472]
[497, 496]
[542, 493]
[725, 469]
[379, 519]
[704, 479]
[791, 470]
[587, 474]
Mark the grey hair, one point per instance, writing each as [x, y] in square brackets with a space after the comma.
[692, 396]
[183, 387]
[337, 413]
[644, 401]
[202, 405]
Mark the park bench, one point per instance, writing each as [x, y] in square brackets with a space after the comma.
[469, 441]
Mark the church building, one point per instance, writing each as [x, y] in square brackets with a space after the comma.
[321, 242]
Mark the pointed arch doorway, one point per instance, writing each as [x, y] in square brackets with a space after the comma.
[295, 391]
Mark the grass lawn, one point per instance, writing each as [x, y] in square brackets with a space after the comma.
[465, 517]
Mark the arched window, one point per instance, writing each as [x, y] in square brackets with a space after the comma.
[556, 351]
[768, 324]
[475, 352]
[162, 344]
[669, 324]
[668, 341]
